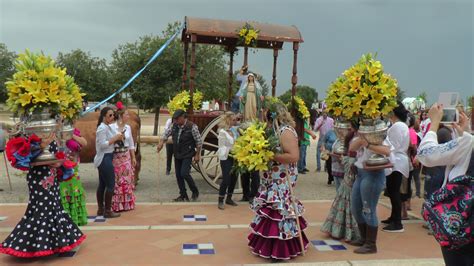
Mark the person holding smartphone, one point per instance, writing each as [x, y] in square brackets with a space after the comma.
[456, 156]
[105, 140]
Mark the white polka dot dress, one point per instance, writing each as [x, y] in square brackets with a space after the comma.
[45, 228]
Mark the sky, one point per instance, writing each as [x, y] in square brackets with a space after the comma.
[427, 45]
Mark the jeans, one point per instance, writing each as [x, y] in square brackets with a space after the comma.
[365, 196]
[106, 174]
[250, 184]
[338, 180]
[183, 169]
[432, 184]
[169, 157]
[459, 257]
[302, 161]
[228, 179]
[318, 153]
[235, 105]
[394, 183]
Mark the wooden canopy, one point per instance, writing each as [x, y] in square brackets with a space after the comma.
[224, 32]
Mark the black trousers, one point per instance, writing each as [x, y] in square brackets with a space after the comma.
[394, 183]
[459, 257]
[250, 184]
[183, 173]
[106, 174]
[328, 166]
[169, 157]
[228, 179]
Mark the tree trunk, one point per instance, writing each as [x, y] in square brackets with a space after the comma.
[157, 120]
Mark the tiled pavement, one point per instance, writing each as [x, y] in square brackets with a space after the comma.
[160, 234]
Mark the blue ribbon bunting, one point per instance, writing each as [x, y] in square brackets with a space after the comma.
[156, 55]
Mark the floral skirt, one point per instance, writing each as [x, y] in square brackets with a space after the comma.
[274, 231]
[73, 198]
[124, 198]
[340, 223]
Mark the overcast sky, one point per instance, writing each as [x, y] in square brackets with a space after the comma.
[426, 44]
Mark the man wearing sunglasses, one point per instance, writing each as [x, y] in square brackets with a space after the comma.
[187, 143]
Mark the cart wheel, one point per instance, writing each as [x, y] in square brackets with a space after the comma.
[209, 166]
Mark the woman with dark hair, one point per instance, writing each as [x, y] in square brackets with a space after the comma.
[124, 163]
[340, 223]
[453, 200]
[106, 137]
[366, 192]
[399, 137]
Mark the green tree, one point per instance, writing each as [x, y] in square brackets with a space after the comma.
[400, 94]
[470, 102]
[423, 96]
[7, 69]
[90, 73]
[307, 93]
[162, 79]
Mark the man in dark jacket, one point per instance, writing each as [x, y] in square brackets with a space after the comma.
[187, 145]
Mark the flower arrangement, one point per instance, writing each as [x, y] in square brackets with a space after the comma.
[247, 35]
[303, 111]
[363, 90]
[254, 148]
[182, 100]
[39, 84]
[269, 103]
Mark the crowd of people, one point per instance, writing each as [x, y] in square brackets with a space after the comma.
[57, 204]
[416, 144]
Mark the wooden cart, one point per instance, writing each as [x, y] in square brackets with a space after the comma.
[224, 32]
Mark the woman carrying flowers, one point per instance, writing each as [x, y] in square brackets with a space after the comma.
[340, 223]
[46, 228]
[274, 231]
[73, 197]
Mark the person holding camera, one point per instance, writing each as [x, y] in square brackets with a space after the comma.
[105, 140]
[187, 143]
[449, 211]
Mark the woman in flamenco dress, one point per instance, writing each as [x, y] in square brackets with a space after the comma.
[274, 230]
[45, 229]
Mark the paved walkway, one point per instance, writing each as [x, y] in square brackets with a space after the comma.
[156, 234]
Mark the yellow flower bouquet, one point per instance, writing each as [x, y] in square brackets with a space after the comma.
[182, 101]
[247, 35]
[302, 110]
[254, 148]
[39, 84]
[363, 90]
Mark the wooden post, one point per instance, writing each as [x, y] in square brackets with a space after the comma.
[274, 81]
[185, 65]
[193, 71]
[294, 78]
[246, 55]
[231, 78]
